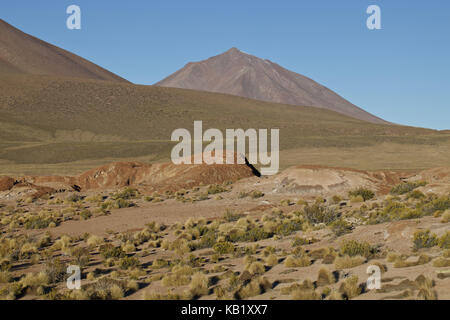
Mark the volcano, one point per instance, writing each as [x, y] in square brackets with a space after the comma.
[241, 74]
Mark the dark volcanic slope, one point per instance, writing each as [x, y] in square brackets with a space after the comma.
[25, 54]
[241, 74]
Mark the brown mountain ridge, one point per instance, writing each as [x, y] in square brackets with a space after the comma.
[22, 53]
[238, 73]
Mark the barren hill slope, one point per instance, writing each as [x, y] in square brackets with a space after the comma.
[48, 120]
[23, 53]
[235, 72]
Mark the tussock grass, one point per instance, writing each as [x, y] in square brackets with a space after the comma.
[441, 262]
[297, 262]
[350, 288]
[325, 277]
[354, 248]
[347, 262]
[255, 287]
[199, 285]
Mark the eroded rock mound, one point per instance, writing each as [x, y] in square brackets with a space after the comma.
[148, 177]
[324, 181]
[161, 176]
[6, 183]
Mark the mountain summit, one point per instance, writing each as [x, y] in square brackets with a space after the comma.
[21, 53]
[241, 74]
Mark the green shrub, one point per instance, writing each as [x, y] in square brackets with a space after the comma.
[122, 203]
[440, 204]
[424, 239]
[80, 256]
[56, 270]
[224, 247]
[416, 194]
[366, 194]
[444, 241]
[126, 194]
[406, 187]
[336, 199]
[215, 189]
[256, 194]
[341, 227]
[110, 251]
[85, 214]
[299, 241]
[354, 248]
[252, 235]
[128, 262]
[319, 214]
[243, 194]
[287, 228]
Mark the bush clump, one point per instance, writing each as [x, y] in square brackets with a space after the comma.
[319, 214]
[444, 241]
[224, 247]
[366, 194]
[406, 187]
[126, 194]
[424, 239]
[110, 251]
[354, 248]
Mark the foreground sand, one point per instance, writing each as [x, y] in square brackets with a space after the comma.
[302, 234]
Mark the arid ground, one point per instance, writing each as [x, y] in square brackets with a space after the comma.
[162, 231]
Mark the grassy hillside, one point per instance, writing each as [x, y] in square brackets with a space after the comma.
[62, 125]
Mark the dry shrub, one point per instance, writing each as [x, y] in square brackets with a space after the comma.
[350, 288]
[401, 262]
[304, 286]
[199, 285]
[325, 277]
[255, 287]
[446, 217]
[424, 239]
[35, 280]
[335, 295]
[355, 248]
[294, 262]
[307, 294]
[256, 268]
[180, 276]
[271, 260]
[347, 262]
[426, 291]
[441, 262]
[5, 277]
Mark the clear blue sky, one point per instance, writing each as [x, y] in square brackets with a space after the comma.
[400, 73]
